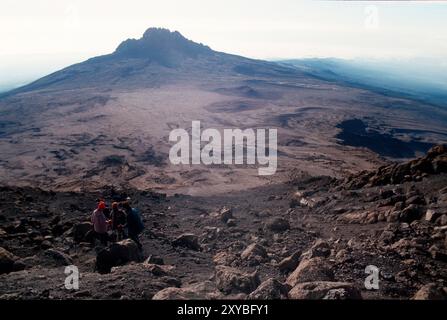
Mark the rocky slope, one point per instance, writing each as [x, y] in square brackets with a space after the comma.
[311, 238]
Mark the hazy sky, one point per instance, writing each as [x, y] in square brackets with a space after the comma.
[42, 36]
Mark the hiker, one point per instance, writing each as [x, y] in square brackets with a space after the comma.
[106, 210]
[118, 221]
[134, 223]
[100, 223]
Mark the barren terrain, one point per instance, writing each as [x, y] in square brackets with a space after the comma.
[343, 197]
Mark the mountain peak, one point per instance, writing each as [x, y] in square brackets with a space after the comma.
[162, 45]
[154, 32]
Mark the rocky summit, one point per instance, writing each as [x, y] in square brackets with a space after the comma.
[309, 238]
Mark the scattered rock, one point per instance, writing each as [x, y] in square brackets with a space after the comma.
[155, 260]
[46, 244]
[231, 280]
[82, 294]
[438, 253]
[430, 292]
[82, 232]
[343, 256]
[324, 290]
[7, 261]
[416, 199]
[197, 291]
[277, 225]
[117, 254]
[270, 289]
[226, 214]
[442, 220]
[254, 252]
[314, 269]
[319, 249]
[431, 215]
[158, 270]
[224, 258]
[187, 240]
[410, 213]
[59, 257]
[290, 263]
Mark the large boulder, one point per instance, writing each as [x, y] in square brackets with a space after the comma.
[290, 263]
[270, 289]
[254, 253]
[411, 213]
[187, 240]
[82, 232]
[224, 258]
[197, 291]
[324, 290]
[319, 249]
[117, 254]
[58, 257]
[126, 250]
[231, 280]
[314, 269]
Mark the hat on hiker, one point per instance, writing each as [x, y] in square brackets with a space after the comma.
[101, 205]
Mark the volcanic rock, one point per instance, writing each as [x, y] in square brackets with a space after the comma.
[324, 290]
[187, 240]
[270, 289]
[314, 269]
[231, 280]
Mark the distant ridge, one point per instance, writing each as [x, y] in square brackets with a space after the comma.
[160, 56]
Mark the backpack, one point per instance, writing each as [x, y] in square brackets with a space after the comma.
[139, 225]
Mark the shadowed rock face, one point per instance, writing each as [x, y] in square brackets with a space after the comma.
[162, 46]
[357, 134]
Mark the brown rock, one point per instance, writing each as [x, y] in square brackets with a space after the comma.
[442, 220]
[270, 289]
[226, 214]
[431, 215]
[117, 254]
[231, 280]
[290, 263]
[320, 248]
[429, 292]
[187, 240]
[81, 232]
[410, 213]
[277, 225]
[314, 269]
[59, 257]
[254, 251]
[324, 290]
[224, 258]
[197, 291]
